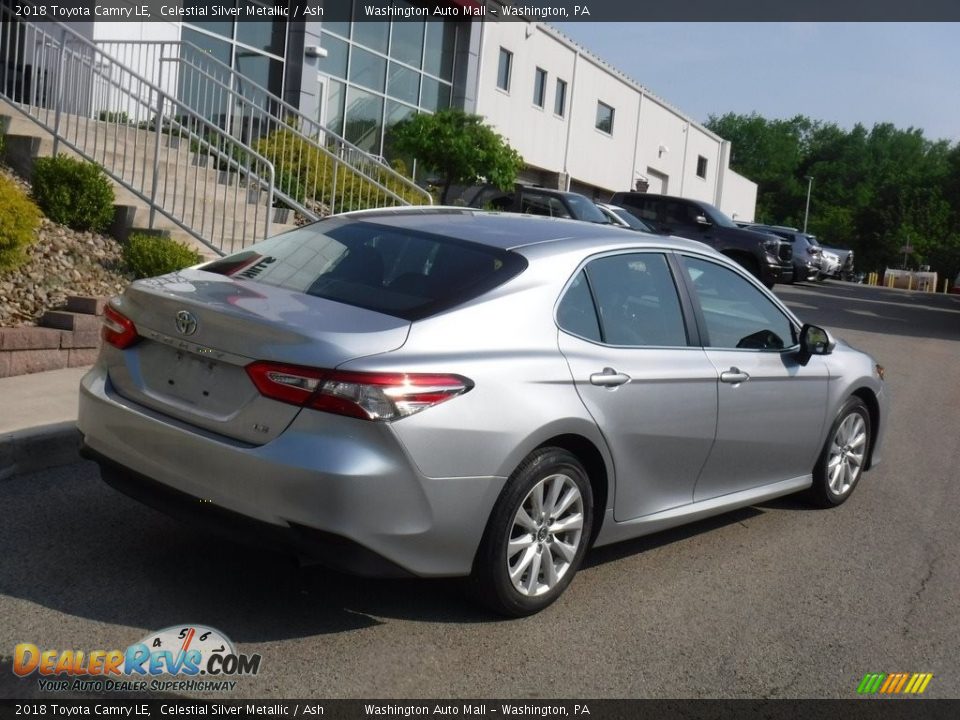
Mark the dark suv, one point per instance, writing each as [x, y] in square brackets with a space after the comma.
[769, 258]
[806, 250]
[534, 200]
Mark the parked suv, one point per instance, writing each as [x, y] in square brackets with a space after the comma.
[843, 267]
[807, 254]
[766, 256]
[534, 200]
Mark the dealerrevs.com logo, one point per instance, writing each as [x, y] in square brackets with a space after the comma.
[181, 658]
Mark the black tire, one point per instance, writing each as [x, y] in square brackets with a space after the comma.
[490, 581]
[823, 493]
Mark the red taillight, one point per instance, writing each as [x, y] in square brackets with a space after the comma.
[118, 330]
[368, 396]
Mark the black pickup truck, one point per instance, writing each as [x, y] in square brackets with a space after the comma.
[767, 257]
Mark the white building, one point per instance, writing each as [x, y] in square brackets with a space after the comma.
[579, 123]
[582, 125]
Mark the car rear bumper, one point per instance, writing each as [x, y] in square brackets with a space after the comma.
[326, 482]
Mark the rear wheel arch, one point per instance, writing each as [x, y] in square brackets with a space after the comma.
[594, 463]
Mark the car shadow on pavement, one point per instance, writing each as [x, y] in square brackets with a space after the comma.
[620, 550]
[76, 546]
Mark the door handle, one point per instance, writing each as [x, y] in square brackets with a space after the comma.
[609, 378]
[734, 376]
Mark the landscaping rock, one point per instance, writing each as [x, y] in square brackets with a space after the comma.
[62, 262]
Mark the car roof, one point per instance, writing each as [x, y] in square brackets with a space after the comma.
[510, 231]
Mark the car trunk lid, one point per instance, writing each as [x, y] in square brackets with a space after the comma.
[200, 330]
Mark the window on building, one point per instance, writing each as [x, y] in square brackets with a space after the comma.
[412, 72]
[701, 167]
[504, 69]
[540, 87]
[560, 100]
[604, 117]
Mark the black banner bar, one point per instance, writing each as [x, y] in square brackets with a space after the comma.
[861, 709]
[520, 10]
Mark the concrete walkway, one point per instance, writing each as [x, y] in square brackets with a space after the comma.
[32, 401]
[38, 415]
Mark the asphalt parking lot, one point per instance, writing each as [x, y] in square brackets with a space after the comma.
[772, 601]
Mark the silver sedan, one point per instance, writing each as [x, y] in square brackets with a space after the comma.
[449, 392]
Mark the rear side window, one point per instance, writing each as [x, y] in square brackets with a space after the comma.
[539, 204]
[643, 208]
[576, 313]
[636, 299]
[395, 271]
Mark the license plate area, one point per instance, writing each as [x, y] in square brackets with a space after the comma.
[205, 384]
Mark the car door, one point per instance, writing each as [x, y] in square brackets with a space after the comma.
[771, 408]
[652, 392]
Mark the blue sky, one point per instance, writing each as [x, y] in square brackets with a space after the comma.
[904, 73]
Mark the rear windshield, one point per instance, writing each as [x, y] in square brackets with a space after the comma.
[586, 210]
[395, 271]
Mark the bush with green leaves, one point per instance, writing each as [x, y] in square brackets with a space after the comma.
[73, 192]
[19, 219]
[152, 255]
[118, 117]
[304, 170]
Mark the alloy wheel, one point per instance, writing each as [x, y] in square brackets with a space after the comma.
[545, 535]
[847, 450]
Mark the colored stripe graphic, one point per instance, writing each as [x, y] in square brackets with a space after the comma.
[894, 683]
[870, 683]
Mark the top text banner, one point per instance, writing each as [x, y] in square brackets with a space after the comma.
[478, 10]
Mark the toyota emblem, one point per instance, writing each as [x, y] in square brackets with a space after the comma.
[186, 323]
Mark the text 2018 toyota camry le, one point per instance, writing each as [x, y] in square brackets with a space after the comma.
[449, 392]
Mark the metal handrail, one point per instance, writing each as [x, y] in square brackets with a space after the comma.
[113, 115]
[319, 171]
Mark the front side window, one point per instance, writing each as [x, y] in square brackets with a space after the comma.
[504, 69]
[540, 87]
[737, 314]
[605, 117]
[637, 301]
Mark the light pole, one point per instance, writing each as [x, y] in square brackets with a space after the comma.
[806, 213]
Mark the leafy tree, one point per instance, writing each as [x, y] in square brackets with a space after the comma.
[458, 146]
[874, 190]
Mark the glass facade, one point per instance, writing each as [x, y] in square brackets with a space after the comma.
[256, 50]
[383, 72]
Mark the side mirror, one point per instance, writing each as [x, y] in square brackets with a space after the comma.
[814, 341]
[702, 220]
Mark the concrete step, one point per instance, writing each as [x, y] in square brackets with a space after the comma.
[85, 305]
[66, 320]
[214, 203]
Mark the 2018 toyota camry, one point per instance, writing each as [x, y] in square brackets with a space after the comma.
[450, 392]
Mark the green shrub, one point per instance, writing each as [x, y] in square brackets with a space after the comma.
[152, 255]
[119, 117]
[73, 192]
[19, 219]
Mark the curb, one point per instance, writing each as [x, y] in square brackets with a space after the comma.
[39, 448]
